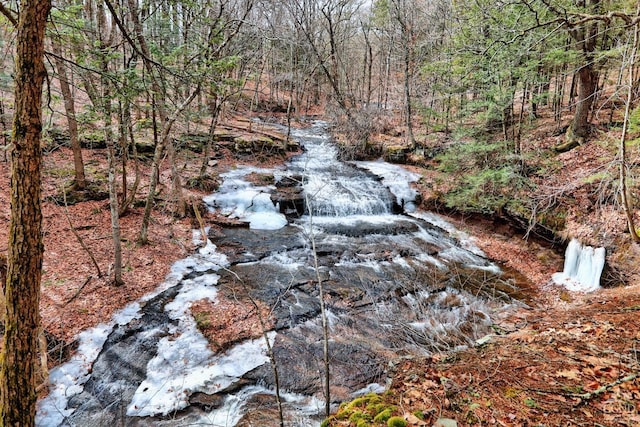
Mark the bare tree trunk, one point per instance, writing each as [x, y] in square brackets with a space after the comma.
[326, 379]
[3, 131]
[70, 111]
[19, 360]
[155, 167]
[105, 44]
[177, 196]
[586, 37]
[587, 83]
[626, 203]
[115, 222]
[407, 96]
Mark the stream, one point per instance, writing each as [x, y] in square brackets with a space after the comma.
[398, 282]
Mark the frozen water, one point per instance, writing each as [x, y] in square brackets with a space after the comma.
[185, 365]
[583, 267]
[238, 198]
[342, 197]
[66, 380]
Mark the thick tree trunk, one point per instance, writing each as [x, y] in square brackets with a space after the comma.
[20, 360]
[626, 202]
[587, 84]
[586, 37]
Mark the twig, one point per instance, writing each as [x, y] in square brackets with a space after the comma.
[75, 232]
[270, 353]
[196, 211]
[75, 295]
[585, 397]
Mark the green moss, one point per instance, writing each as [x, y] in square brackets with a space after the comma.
[376, 408]
[202, 319]
[396, 422]
[363, 401]
[359, 417]
[383, 416]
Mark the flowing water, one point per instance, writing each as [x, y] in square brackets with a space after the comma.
[397, 281]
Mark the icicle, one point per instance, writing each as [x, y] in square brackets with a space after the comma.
[582, 267]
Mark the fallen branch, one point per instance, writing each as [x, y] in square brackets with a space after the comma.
[75, 295]
[75, 232]
[585, 397]
[196, 211]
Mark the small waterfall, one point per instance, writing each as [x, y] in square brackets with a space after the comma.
[582, 267]
[334, 188]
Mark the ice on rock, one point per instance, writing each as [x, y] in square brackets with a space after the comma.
[185, 365]
[238, 198]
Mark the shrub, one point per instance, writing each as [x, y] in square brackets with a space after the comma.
[483, 177]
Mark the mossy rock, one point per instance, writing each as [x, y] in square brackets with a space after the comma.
[383, 416]
[74, 196]
[242, 145]
[205, 183]
[93, 140]
[396, 154]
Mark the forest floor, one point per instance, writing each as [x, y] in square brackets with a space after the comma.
[567, 359]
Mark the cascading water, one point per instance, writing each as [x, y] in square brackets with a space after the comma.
[395, 285]
[334, 188]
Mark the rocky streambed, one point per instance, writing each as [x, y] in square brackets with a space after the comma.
[397, 282]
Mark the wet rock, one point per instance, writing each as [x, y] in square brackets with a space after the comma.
[395, 154]
[291, 201]
[362, 228]
[242, 245]
[299, 359]
[121, 366]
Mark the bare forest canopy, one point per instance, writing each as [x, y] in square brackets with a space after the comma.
[434, 66]
[446, 60]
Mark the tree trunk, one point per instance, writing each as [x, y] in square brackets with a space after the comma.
[70, 111]
[407, 94]
[19, 361]
[587, 83]
[626, 203]
[105, 100]
[586, 37]
[114, 210]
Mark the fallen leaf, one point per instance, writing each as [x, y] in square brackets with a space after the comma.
[572, 374]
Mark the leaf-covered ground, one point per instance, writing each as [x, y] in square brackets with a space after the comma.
[573, 365]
